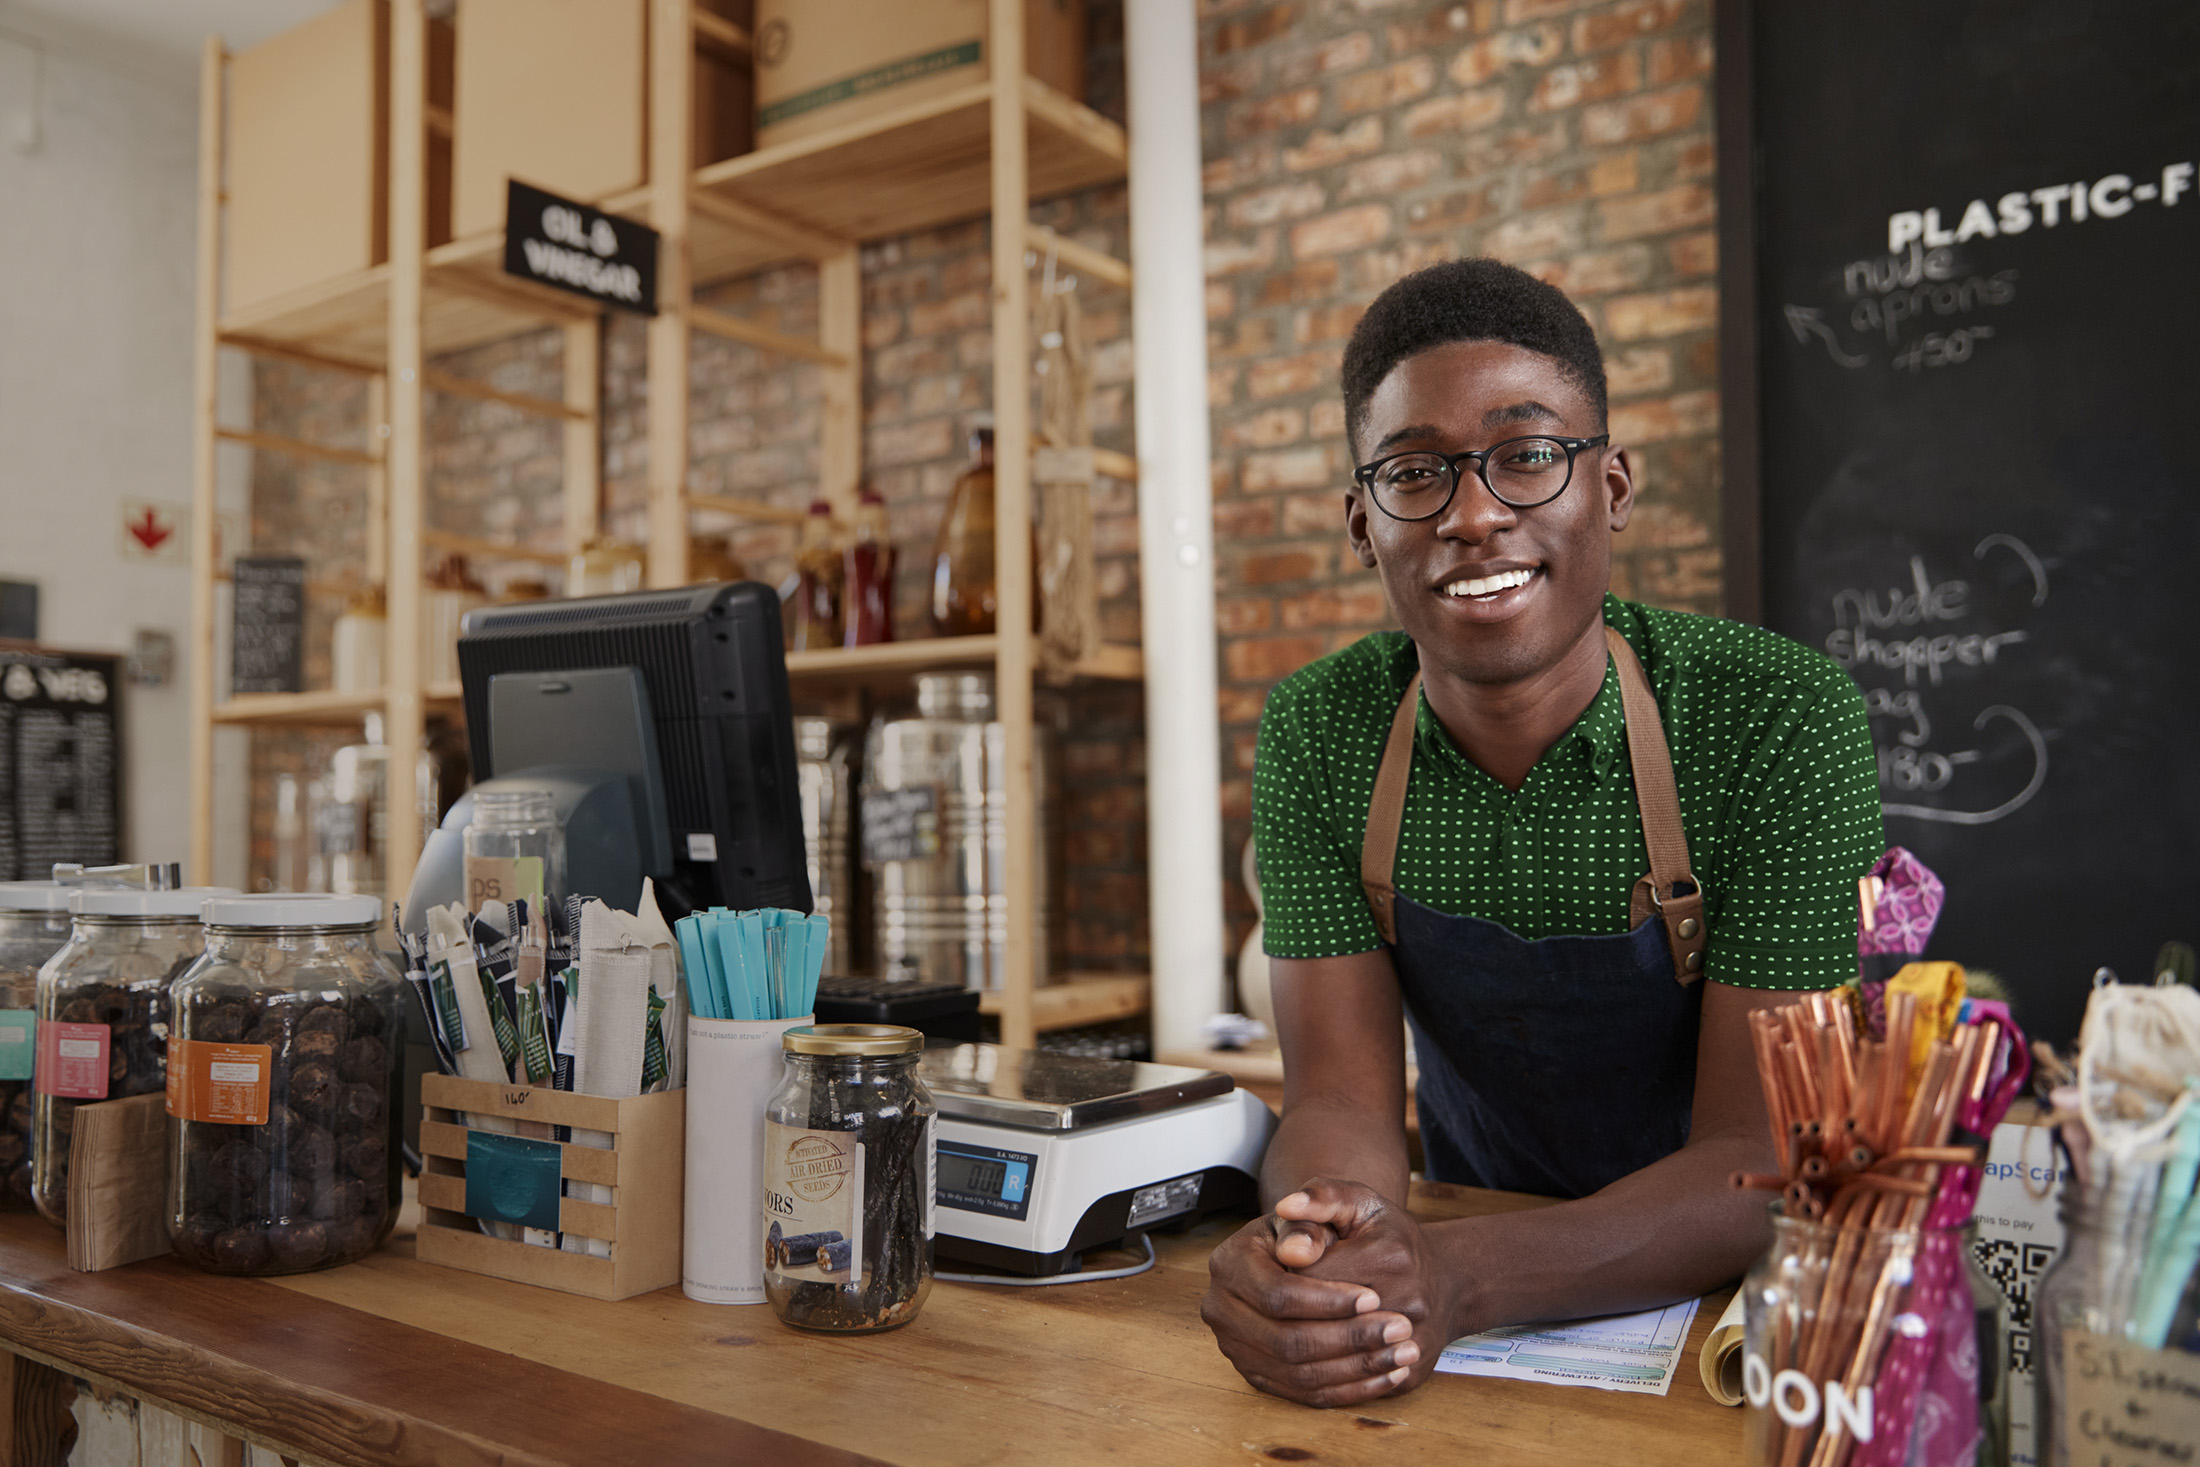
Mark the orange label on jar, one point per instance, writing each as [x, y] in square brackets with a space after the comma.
[225, 1084]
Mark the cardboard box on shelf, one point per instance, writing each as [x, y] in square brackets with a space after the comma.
[821, 64]
[556, 93]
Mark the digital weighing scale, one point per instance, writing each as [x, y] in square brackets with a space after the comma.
[1042, 1157]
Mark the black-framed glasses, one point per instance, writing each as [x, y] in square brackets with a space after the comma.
[1521, 472]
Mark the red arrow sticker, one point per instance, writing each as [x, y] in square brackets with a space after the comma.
[148, 531]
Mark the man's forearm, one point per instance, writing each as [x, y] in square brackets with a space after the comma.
[1673, 1229]
[1318, 1140]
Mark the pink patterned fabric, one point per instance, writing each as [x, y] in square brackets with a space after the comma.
[1909, 905]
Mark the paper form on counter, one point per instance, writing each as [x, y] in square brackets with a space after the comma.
[1625, 1352]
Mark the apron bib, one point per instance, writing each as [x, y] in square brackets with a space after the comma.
[1561, 1065]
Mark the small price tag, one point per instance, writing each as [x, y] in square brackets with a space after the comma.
[72, 1061]
[18, 1043]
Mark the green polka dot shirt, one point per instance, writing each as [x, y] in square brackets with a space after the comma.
[1771, 750]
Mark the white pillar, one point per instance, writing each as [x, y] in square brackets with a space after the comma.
[1175, 520]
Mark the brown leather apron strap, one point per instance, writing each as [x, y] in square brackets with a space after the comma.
[1386, 814]
[1659, 804]
[1670, 890]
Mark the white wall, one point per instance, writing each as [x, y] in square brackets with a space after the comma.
[98, 168]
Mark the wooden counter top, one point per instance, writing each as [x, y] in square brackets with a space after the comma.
[396, 1361]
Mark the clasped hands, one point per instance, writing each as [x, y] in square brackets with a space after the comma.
[1335, 1298]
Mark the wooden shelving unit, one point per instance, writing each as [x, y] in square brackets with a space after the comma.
[989, 148]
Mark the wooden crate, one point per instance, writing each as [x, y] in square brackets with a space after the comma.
[555, 93]
[643, 1168]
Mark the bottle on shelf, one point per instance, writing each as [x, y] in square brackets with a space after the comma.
[965, 585]
[450, 593]
[816, 621]
[605, 567]
[868, 574]
[355, 651]
[711, 558]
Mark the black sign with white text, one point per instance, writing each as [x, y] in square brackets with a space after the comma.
[60, 766]
[556, 242]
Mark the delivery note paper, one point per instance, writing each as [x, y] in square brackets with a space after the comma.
[1627, 1352]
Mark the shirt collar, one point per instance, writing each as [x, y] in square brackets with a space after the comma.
[1597, 737]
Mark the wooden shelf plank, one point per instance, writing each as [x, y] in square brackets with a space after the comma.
[325, 707]
[1086, 998]
[915, 167]
[895, 662]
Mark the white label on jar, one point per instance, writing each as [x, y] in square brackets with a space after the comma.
[79, 1048]
[813, 1205]
[233, 1074]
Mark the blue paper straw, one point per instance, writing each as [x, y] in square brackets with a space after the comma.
[693, 971]
[821, 931]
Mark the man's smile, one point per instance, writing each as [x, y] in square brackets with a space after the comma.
[1490, 593]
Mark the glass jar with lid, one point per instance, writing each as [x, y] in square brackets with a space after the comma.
[847, 1187]
[34, 923]
[515, 847]
[103, 1015]
[283, 1098]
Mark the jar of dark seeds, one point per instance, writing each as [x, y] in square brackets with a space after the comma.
[847, 1185]
[103, 1015]
[282, 1087]
[34, 924]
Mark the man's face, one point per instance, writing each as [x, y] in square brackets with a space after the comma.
[1469, 395]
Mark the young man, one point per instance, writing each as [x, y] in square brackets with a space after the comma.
[1581, 1030]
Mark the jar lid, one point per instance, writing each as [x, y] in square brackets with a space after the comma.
[852, 1039]
[128, 901]
[292, 909]
[34, 896]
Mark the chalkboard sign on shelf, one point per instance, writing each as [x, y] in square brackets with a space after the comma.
[901, 825]
[267, 639]
[1961, 249]
[60, 775]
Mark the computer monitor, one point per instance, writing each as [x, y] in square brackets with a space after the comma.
[659, 722]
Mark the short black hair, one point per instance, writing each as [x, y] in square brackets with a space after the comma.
[1467, 300]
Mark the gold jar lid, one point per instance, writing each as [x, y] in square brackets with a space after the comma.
[852, 1039]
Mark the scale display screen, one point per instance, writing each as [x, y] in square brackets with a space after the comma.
[984, 1179]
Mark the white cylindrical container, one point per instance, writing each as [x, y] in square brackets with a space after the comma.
[733, 1067]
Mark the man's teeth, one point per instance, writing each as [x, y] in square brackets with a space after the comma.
[1490, 585]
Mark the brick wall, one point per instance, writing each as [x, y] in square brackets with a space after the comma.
[1346, 142]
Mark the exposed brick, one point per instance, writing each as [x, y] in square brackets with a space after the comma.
[1237, 35]
[1324, 149]
[1327, 323]
[1227, 83]
[1442, 26]
[1310, 281]
[1386, 86]
[1542, 188]
[1530, 46]
[1237, 615]
[1651, 115]
[1286, 468]
[1272, 114]
[1228, 256]
[1266, 659]
[1241, 336]
[1315, 514]
[1221, 299]
[1347, 229]
[1698, 158]
[1451, 210]
[1679, 60]
[1634, 215]
[1638, 370]
[1656, 419]
[1357, 603]
[1488, 152]
[1278, 567]
[1244, 519]
[1269, 428]
[1345, 53]
[1285, 201]
[1326, 419]
[1616, 173]
[1456, 113]
[1596, 272]
[1626, 22]
[1284, 376]
[1592, 80]
[1662, 313]
[1235, 706]
[1695, 254]
[1527, 236]
[1387, 173]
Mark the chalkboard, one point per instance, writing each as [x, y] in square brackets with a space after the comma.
[60, 775]
[901, 825]
[267, 636]
[1971, 301]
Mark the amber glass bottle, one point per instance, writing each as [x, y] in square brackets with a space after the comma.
[867, 592]
[816, 620]
[965, 585]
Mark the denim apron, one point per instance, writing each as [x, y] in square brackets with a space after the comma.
[1561, 1065]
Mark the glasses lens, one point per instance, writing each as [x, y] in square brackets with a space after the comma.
[1413, 485]
[1528, 471]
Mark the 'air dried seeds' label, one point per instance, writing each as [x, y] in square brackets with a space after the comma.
[225, 1084]
[72, 1061]
[813, 1204]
